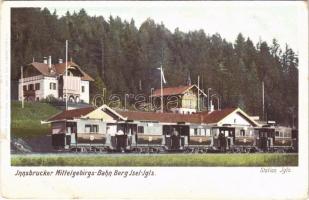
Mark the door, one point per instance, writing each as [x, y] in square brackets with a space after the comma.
[263, 141]
[121, 142]
[175, 142]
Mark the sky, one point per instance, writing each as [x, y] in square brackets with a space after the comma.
[257, 20]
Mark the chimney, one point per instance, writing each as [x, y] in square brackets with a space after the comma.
[60, 60]
[49, 62]
[45, 60]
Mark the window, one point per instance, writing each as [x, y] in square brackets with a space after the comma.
[242, 133]
[52, 86]
[208, 132]
[25, 87]
[31, 87]
[202, 132]
[140, 129]
[83, 88]
[95, 128]
[37, 86]
[195, 131]
[91, 128]
[250, 133]
[277, 133]
[87, 128]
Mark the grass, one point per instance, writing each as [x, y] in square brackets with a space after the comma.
[228, 160]
[26, 122]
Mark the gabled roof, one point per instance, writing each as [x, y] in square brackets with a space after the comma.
[169, 91]
[41, 67]
[160, 117]
[71, 114]
[216, 116]
[59, 69]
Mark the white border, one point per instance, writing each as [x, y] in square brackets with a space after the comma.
[169, 183]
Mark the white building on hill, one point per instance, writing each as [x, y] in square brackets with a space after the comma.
[41, 80]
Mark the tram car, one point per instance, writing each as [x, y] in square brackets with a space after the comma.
[200, 139]
[85, 130]
[275, 139]
[147, 137]
[234, 139]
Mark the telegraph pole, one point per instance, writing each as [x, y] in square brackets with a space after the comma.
[22, 86]
[198, 93]
[263, 100]
[66, 74]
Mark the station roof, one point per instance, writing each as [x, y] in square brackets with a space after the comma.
[71, 114]
[214, 117]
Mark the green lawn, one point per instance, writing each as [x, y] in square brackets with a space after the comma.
[156, 160]
[25, 122]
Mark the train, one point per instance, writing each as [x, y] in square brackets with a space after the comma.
[150, 137]
[104, 129]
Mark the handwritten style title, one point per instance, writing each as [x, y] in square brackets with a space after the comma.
[86, 173]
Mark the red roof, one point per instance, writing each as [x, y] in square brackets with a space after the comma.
[215, 116]
[203, 117]
[160, 117]
[70, 114]
[171, 90]
[59, 68]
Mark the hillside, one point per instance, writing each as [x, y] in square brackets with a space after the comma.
[123, 58]
[26, 122]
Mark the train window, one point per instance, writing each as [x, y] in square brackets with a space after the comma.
[95, 129]
[91, 128]
[286, 134]
[195, 131]
[191, 131]
[277, 133]
[140, 129]
[242, 133]
[280, 134]
[203, 132]
[87, 128]
[208, 132]
[226, 133]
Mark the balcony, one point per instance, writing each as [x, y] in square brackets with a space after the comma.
[28, 93]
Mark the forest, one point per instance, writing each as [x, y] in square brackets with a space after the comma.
[123, 58]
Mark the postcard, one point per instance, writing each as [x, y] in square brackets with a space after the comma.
[154, 100]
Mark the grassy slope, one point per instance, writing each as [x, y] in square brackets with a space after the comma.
[156, 160]
[26, 122]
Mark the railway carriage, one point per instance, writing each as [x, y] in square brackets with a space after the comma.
[234, 138]
[103, 129]
[148, 137]
[274, 138]
[200, 139]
